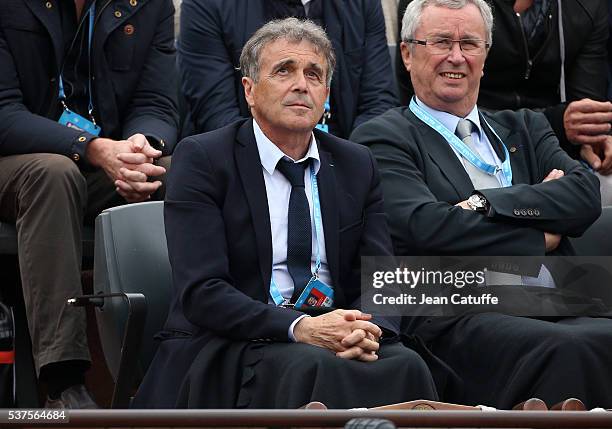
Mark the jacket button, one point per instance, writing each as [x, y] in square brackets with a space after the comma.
[536, 212]
[133, 3]
[530, 212]
[517, 212]
[513, 149]
[48, 5]
[82, 139]
[523, 212]
[76, 156]
[117, 14]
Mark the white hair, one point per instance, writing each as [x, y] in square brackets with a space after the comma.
[414, 12]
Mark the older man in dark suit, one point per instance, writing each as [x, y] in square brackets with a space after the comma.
[260, 216]
[460, 181]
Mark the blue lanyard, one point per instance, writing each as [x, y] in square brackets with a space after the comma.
[463, 149]
[323, 126]
[314, 185]
[61, 94]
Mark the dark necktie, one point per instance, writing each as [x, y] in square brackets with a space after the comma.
[299, 229]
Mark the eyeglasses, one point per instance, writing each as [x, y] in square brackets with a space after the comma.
[443, 45]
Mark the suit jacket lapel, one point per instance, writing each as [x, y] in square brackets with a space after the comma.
[331, 218]
[249, 169]
[513, 144]
[444, 157]
[50, 18]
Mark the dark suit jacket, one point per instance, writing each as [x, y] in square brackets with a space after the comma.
[134, 87]
[220, 246]
[213, 33]
[423, 178]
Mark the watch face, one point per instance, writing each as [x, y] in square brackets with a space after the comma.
[477, 202]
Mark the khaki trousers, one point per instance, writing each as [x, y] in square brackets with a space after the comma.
[49, 198]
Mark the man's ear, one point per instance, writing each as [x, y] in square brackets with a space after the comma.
[406, 55]
[249, 86]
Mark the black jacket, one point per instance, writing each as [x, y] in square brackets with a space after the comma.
[213, 33]
[513, 79]
[423, 179]
[134, 86]
[220, 246]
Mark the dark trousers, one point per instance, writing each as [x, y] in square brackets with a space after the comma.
[503, 360]
[242, 374]
[48, 198]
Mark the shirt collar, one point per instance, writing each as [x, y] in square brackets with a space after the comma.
[449, 120]
[270, 154]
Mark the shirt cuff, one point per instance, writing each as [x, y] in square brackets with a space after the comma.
[292, 326]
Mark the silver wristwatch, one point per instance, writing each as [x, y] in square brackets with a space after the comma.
[478, 203]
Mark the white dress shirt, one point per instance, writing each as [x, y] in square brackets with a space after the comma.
[278, 191]
[480, 139]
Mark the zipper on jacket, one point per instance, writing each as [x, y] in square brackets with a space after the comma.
[528, 69]
[529, 62]
[548, 38]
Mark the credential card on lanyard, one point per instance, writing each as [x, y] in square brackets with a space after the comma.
[315, 294]
[72, 119]
[463, 149]
[323, 126]
[318, 231]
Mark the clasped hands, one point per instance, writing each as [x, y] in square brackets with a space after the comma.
[129, 163]
[348, 333]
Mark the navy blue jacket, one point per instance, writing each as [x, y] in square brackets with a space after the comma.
[213, 33]
[220, 246]
[134, 86]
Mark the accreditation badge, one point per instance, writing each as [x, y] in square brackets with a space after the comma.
[322, 127]
[77, 122]
[315, 294]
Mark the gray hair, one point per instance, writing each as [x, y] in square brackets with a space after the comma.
[414, 11]
[292, 30]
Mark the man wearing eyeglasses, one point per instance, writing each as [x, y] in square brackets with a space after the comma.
[550, 55]
[460, 181]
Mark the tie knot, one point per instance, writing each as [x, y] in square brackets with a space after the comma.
[464, 128]
[293, 171]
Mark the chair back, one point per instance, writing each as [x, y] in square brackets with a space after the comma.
[131, 256]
